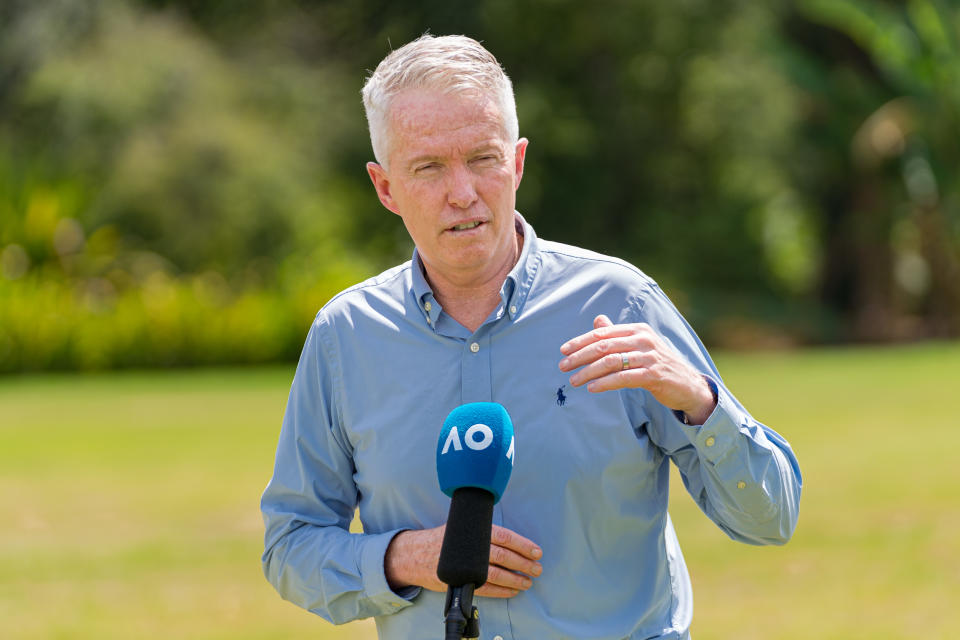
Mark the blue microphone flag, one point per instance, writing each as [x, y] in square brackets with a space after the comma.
[476, 449]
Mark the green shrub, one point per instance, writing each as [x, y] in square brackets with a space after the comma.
[54, 324]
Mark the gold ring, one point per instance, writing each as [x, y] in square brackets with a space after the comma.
[625, 359]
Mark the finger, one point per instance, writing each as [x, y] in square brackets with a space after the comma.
[613, 364]
[508, 579]
[503, 537]
[508, 559]
[602, 333]
[604, 365]
[631, 378]
[610, 348]
[494, 591]
[601, 321]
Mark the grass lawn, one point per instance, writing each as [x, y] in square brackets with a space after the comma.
[129, 504]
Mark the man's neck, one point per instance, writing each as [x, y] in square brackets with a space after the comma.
[471, 302]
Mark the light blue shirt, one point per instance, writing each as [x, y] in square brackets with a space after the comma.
[382, 367]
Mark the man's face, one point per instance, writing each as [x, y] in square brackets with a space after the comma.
[452, 178]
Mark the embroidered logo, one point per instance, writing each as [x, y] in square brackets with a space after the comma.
[561, 399]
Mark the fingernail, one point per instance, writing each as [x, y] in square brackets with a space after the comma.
[537, 569]
[537, 552]
[564, 363]
[527, 582]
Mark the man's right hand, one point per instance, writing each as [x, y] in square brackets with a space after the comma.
[413, 555]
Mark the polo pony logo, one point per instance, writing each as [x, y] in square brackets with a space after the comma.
[561, 399]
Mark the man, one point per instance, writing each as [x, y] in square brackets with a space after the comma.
[582, 543]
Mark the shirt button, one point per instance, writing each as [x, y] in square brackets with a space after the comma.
[427, 306]
[741, 485]
[474, 347]
[513, 310]
[710, 441]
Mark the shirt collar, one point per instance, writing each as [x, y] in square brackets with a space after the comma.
[515, 287]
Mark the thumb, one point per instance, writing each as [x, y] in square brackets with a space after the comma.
[601, 321]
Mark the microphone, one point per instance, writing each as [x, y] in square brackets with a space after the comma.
[475, 455]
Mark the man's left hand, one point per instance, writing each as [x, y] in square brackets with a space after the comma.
[634, 356]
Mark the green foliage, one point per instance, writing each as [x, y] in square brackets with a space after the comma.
[162, 203]
[204, 159]
[897, 224]
[658, 133]
[48, 324]
[784, 170]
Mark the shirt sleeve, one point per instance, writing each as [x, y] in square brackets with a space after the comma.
[742, 474]
[310, 556]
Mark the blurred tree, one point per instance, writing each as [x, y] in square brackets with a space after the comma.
[629, 113]
[649, 126]
[885, 84]
[774, 165]
[210, 160]
[140, 162]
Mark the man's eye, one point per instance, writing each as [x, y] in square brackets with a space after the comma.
[427, 168]
[485, 159]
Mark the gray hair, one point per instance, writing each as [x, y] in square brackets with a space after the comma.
[449, 64]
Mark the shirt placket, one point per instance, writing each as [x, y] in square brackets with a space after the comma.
[475, 382]
[477, 386]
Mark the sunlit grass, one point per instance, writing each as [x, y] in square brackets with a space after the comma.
[130, 507]
[876, 553]
[129, 504]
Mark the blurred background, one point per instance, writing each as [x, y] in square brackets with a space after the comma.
[182, 184]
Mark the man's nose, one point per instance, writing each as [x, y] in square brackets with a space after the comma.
[461, 191]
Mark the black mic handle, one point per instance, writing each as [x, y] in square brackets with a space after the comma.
[461, 618]
[465, 551]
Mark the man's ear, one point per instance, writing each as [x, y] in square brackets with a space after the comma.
[519, 155]
[381, 182]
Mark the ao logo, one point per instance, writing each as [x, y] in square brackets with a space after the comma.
[478, 437]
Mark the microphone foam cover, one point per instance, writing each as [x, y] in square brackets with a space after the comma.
[475, 449]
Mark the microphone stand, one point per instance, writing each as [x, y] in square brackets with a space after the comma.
[461, 618]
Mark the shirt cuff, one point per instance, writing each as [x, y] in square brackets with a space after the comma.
[718, 435]
[375, 585]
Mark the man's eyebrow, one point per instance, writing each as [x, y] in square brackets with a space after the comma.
[485, 147]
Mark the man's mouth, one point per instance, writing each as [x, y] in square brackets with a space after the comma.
[466, 225]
